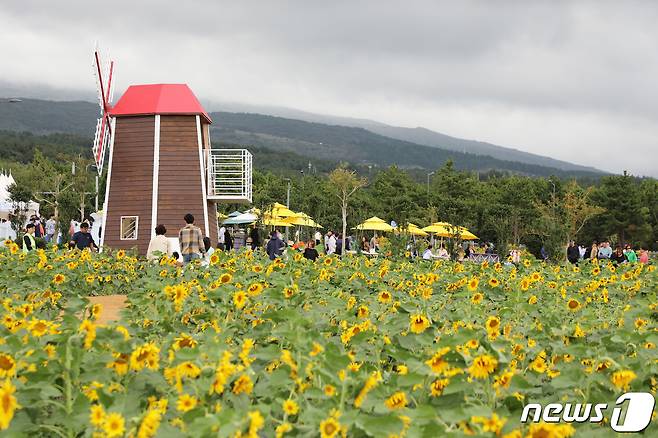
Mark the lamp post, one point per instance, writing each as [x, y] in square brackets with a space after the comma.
[428, 183]
[287, 202]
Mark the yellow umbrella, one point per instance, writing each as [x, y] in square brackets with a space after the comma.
[375, 224]
[466, 235]
[413, 229]
[275, 222]
[302, 219]
[279, 210]
[221, 216]
[441, 229]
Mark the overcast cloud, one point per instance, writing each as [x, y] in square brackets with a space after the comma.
[574, 80]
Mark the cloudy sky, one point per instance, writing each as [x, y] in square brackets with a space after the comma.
[574, 80]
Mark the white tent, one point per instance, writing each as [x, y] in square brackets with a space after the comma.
[8, 207]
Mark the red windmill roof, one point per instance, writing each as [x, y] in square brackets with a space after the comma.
[158, 99]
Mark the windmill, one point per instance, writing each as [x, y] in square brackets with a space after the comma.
[103, 124]
[161, 165]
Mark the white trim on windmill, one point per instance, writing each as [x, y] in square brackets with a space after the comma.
[202, 166]
[107, 187]
[156, 173]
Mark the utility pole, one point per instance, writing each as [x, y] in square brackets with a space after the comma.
[428, 183]
[288, 192]
[287, 202]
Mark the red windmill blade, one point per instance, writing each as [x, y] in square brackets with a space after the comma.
[103, 125]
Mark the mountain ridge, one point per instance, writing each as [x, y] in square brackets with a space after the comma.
[312, 139]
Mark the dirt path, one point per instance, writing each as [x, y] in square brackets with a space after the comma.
[112, 305]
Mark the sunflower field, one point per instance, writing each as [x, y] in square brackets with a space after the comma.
[352, 347]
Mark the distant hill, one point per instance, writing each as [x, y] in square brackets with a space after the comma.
[421, 136]
[331, 143]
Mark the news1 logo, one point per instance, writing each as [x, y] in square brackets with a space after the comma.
[638, 412]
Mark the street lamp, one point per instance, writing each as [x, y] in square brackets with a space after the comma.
[428, 183]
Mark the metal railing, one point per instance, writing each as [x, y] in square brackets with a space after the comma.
[229, 175]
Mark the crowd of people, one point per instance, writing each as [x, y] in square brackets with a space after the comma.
[193, 245]
[603, 251]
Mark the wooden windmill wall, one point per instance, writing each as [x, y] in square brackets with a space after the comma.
[156, 170]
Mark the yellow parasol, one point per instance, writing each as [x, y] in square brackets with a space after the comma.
[441, 229]
[278, 211]
[276, 222]
[302, 219]
[375, 224]
[414, 230]
[464, 234]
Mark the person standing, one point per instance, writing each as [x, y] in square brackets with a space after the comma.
[190, 240]
[50, 228]
[220, 238]
[228, 240]
[29, 242]
[594, 252]
[330, 244]
[310, 252]
[644, 256]
[275, 246]
[159, 244]
[255, 238]
[573, 254]
[318, 237]
[82, 239]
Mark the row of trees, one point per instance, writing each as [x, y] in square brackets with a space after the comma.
[508, 210]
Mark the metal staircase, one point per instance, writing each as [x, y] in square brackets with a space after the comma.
[229, 175]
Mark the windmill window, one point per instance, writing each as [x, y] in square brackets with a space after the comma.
[129, 225]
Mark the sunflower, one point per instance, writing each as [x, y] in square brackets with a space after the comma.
[317, 349]
[437, 363]
[396, 401]
[622, 379]
[494, 282]
[8, 404]
[255, 289]
[243, 384]
[59, 279]
[121, 254]
[96, 415]
[186, 403]
[225, 278]
[473, 284]
[329, 390]
[7, 366]
[214, 258]
[418, 323]
[543, 430]
[290, 407]
[573, 304]
[384, 297]
[114, 425]
[532, 300]
[329, 428]
[239, 299]
[483, 366]
[437, 387]
[477, 298]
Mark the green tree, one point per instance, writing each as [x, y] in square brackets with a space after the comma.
[345, 183]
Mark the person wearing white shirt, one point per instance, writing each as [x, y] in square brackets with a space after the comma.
[330, 245]
[427, 254]
[443, 253]
[318, 238]
[50, 228]
[220, 237]
[159, 244]
[209, 251]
